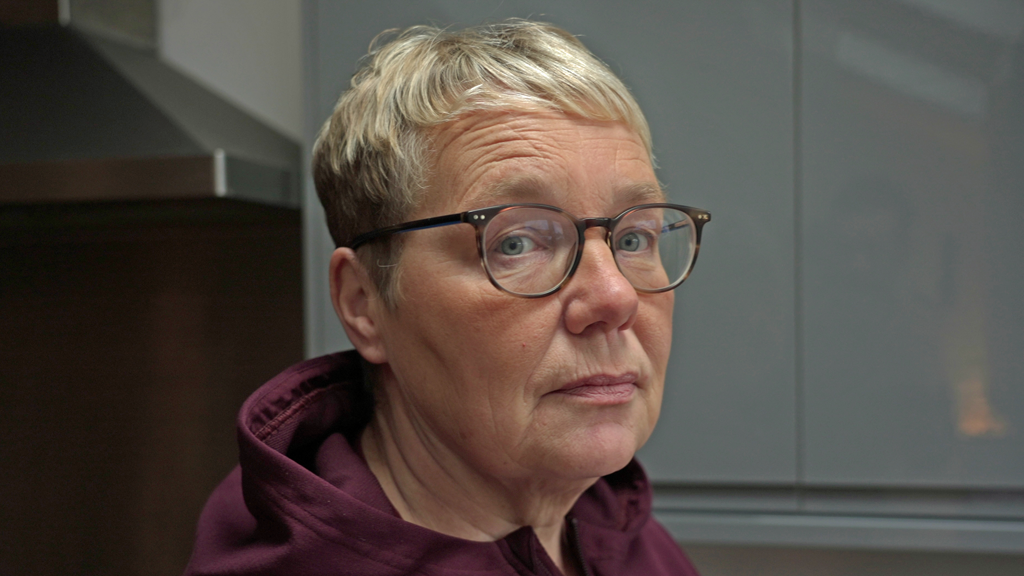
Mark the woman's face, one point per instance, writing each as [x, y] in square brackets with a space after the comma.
[567, 386]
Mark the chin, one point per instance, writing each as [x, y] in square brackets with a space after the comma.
[605, 449]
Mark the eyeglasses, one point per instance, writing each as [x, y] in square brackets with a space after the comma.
[531, 250]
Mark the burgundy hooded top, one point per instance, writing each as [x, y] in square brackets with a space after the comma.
[303, 502]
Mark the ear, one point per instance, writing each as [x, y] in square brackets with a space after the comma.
[357, 304]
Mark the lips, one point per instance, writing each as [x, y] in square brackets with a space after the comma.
[602, 388]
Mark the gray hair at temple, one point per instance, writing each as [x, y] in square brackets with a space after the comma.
[370, 159]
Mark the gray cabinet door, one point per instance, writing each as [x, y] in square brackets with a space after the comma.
[913, 170]
[717, 85]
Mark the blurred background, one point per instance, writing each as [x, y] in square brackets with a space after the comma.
[846, 390]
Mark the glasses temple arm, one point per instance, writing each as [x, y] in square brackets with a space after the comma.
[405, 227]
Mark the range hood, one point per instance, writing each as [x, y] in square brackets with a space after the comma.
[84, 117]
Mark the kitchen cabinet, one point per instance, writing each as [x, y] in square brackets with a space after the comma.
[913, 166]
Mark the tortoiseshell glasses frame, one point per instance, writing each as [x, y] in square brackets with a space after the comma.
[673, 218]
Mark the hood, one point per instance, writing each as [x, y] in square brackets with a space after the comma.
[304, 501]
[85, 117]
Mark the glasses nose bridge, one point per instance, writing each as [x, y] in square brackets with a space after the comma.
[608, 224]
[588, 223]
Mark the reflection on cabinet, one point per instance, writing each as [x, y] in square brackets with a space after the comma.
[913, 171]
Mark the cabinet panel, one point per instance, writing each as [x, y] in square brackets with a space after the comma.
[913, 166]
[716, 83]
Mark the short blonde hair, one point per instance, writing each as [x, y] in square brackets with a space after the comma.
[370, 159]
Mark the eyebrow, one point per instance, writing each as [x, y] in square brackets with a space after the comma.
[644, 193]
[531, 189]
[518, 189]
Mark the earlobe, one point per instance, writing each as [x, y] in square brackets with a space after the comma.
[354, 296]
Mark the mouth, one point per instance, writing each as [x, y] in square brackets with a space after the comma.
[601, 389]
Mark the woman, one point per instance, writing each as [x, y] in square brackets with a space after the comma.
[505, 270]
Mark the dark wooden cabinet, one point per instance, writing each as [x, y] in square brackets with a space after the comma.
[130, 334]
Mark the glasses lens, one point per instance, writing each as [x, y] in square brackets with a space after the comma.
[654, 247]
[528, 251]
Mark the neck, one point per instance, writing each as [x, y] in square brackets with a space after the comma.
[431, 486]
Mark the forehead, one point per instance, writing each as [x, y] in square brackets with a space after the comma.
[489, 158]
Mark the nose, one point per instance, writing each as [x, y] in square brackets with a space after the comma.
[598, 296]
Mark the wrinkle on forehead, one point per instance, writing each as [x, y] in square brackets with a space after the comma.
[481, 155]
[529, 188]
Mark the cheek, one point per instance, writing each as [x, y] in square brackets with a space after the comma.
[654, 328]
[486, 343]
[510, 339]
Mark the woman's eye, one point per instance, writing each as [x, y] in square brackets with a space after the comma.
[633, 242]
[516, 245]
